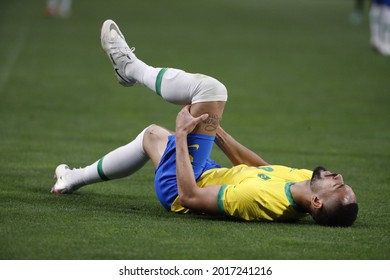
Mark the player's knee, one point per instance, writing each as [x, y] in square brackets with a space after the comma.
[154, 142]
[155, 133]
[148, 134]
[152, 131]
[209, 90]
[151, 128]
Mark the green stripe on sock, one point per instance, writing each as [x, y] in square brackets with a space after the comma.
[159, 80]
[100, 170]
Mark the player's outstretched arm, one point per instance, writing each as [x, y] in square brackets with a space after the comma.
[191, 196]
[235, 151]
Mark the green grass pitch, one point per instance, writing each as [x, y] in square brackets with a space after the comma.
[305, 89]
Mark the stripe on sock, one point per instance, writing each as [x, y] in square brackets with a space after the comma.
[159, 80]
[100, 170]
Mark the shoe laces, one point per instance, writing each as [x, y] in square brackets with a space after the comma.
[123, 52]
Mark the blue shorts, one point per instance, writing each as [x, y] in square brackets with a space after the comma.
[199, 148]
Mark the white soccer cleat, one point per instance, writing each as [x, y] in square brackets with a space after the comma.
[61, 186]
[115, 46]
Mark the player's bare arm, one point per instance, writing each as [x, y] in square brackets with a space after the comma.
[235, 151]
[191, 196]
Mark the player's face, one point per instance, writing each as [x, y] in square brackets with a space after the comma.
[331, 185]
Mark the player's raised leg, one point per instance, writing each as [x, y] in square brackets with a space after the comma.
[174, 85]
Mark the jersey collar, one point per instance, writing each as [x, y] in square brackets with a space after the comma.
[287, 189]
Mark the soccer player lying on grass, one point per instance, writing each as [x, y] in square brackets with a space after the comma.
[186, 179]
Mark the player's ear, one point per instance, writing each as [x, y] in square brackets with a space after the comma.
[316, 202]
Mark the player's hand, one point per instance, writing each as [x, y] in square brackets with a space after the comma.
[186, 123]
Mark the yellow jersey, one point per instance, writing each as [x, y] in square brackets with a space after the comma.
[254, 193]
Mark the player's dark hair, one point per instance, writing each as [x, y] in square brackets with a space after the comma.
[339, 216]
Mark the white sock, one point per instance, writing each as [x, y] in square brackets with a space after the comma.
[375, 15]
[64, 8]
[177, 86]
[119, 163]
[385, 30]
